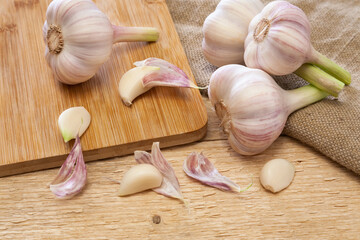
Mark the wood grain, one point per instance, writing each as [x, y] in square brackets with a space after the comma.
[323, 201]
[31, 100]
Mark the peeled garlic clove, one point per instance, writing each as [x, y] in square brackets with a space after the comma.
[225, 31]
[150, 73]
[73, 121]
[72, 175]
[131, 86]
[140, 178]
[277, 174]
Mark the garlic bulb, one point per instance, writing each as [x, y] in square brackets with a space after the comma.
[79, 39]
[253, 109]
[225, 31]
[278, 42]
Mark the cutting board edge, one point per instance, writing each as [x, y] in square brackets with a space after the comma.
[104, 153]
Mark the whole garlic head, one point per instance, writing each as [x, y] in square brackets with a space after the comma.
[78, 39]
[252, 108]
[250, 105]
[278, 40]
[225, 31]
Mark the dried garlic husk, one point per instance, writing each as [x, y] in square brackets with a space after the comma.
[71, 177]
[200, 168]
[150, 73]
[170, 185]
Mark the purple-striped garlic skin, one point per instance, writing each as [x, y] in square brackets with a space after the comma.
[225, 30]
[71, 178]
[200, 168]
[278, 39]
[251, 106]
[170, 185]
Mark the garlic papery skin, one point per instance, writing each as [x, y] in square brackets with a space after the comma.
[252, 108]
[278, 42]
[79, 39]
[225, 31]
[140, 178]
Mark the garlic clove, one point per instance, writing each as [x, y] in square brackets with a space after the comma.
[277, 174]
[73, 121]
[149, 73]
[140, 178]
[72, 175]
[170, 186]
[131, 86]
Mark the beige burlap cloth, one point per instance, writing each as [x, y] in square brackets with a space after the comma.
[330, 126]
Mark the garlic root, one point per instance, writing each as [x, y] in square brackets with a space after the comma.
[140, 178]
[277, 174]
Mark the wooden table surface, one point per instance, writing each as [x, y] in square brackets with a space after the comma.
[323, 202]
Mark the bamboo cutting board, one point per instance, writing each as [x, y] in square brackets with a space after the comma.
[31, 100]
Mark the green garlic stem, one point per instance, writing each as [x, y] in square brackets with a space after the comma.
[320, 79]
[330, 67]
[302, 97]
[135, 34]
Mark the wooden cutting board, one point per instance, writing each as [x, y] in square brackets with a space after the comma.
[31, 100]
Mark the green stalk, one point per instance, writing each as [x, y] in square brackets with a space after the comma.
[320, 79]
[330, 67]
[135, 34]
[302, 97]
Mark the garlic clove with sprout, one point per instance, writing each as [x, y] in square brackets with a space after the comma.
[79, 39]
[73, 121]
[252, 108]
[150, 73]
[278, 42]
[140, 178]
[225, 30]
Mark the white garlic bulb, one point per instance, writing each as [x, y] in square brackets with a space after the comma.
[79, 39]
[252, 108]
[278, 42]
[225, 31]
